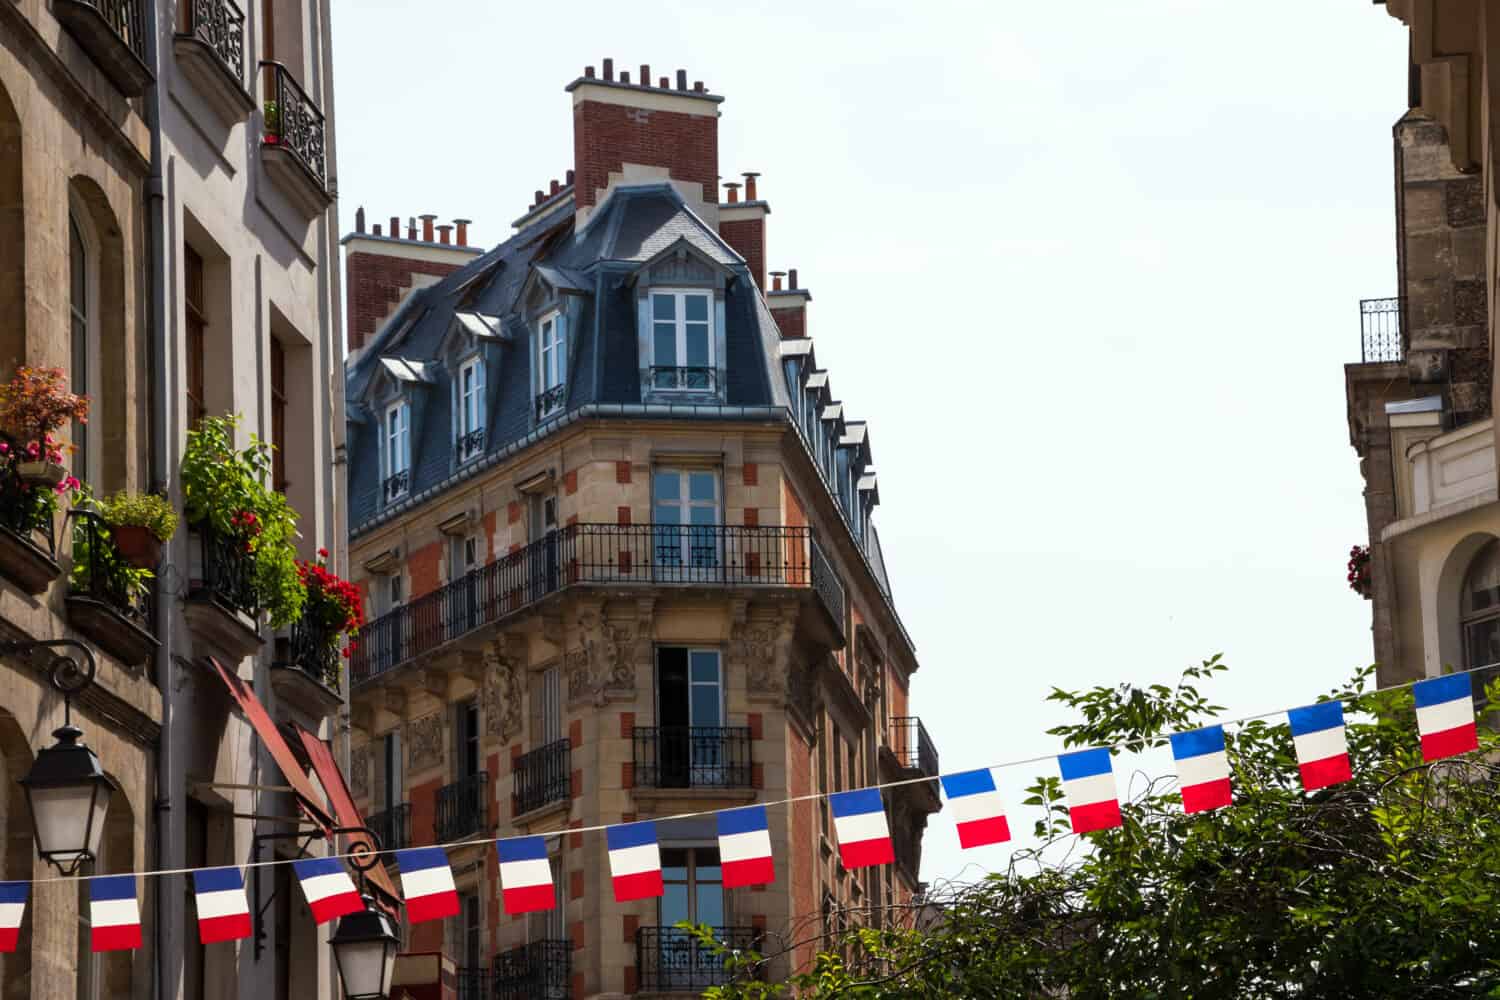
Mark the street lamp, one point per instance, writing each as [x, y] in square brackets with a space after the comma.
[66, 788]
[365, 942]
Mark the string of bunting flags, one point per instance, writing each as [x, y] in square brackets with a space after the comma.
[1446, 727]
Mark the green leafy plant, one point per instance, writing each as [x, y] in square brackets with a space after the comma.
[272, 115]
[95, 553]
[145, 510]
[227, 488]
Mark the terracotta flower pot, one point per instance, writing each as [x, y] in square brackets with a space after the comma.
[42, 473]
[137, 545]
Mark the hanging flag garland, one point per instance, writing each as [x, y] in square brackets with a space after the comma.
[1322, 748]
[1202, 769]
[427, 883]
[1445, 716]
[745, 847]
[525, 875]
[1089, 783]
[860, 825]
[634, 861]
[978, 809]
[114, 915]
[329, 890]
[223, 908]
[12, 908]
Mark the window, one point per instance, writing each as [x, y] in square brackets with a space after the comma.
[397, 450]
[197, 326]
[470, 409]
[278, 416]
[546, 707]
[552, 368]
[693, 887]
[79, 302]
[690, 748]
[469, 948]
[466, 757]
[685, 512]
[547, 925]
[682, 354]
[463, 587]
[1481, 609]
[393, 779]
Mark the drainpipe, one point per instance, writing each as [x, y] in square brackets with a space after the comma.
[157, 397]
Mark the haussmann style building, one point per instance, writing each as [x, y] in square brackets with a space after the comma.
[617, 536]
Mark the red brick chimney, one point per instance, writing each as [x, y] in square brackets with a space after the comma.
[743, 226]
[788, 305]
[617, 123]
[381, 270]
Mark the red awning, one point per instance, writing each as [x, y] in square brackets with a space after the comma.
[307, 796]
[340, 799]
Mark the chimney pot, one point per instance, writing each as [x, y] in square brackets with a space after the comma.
[791, 278]
[609, 69]
[734, 191]
[359, 219]
[538, 199]
[395, 229]
[445, 235]
[682, 79]
[570, 176]
[776, 277]
[697, 86]
[411, 227]
[624, 76]
[588, 72]
[750, 176]
[553, 188]
[427, 221]
[645, 74]
[377, 229]
[665, 84]
[463, 231]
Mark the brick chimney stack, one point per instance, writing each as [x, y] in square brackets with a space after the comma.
[634, 132]
[382, 270]
[788, 305]
[743, 226]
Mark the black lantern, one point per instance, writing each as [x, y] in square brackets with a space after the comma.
[364, 946]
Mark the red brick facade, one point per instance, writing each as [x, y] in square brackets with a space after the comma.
[748, 237]
[375, 283]
[791, 322]
[607, 136]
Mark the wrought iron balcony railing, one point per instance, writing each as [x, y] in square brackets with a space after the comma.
[551, 402]
[220, 25]
[113, 32]
[670, 960]
[912, 746]
[541, 970]
[470, 444]
[599, 555]
[684, 379]
[474, 983]
[22, 513]
[223, 572]
[396, 485]
[543, 776]
[392, 826]
[462, 808]
[313, 651]
[101, 573]
[692, 757]
[293, 121]
[1380, 338]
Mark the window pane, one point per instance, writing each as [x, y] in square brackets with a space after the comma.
[705, 705]
[666, 345]
[668, 486]
[664, 307]
[705, 667]
[674, 904]
[710, 902]
[696, 308]
[1484, 643]
[697, 345]
[705, 516]
[701, 486]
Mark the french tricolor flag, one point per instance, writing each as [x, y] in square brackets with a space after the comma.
[1445, 716]
[223, 909]
[525, 875]
[427, 884]
[12, 909]
[745, 847]
[634, 860]
[859, 824]
[1089, 783]
[329, 890]
[114, 917]
[977, 808]
[1322, 748]
[1202, 769]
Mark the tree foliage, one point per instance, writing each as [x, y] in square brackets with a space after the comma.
[1383, 886]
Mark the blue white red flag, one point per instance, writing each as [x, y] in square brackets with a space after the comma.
[114, 915]
[1321, 745]
[12, 909]
[978, 810]
[427, 884]
[329, 890]
[634, 860]
[223, 908]
[1202, 768]
[745, 847]
[1088, 779]
[1445, 716]
[525, 875]
[859, 824]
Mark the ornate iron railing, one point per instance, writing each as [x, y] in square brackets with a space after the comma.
[102, 574]
[668, 959]
[593, 555]
[126, 18]
[474, 983]
[462, 808]
[396, 485]
[551, 402]
[224, 572]
[912, 746]
[313, 651]
[470, 444]
[392, 826]
[22, 510]
[294, 122]
[694, 378]
[1380, 337]
[220, 25]
[692, 757]
[541, 970]
[542, 776]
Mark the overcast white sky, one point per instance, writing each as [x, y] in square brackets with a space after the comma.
[1090, 270]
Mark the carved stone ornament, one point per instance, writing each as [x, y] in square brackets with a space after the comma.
[424, 741]
[502, 692]
[359, 771]
[765, 649]
[607, 655]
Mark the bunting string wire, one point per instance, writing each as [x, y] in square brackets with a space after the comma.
[1129, 746]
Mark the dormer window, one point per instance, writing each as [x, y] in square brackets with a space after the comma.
[682, 341]
[552, 367]
[397, 450]
[470, 387]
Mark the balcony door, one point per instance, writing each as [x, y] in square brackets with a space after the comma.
[685, 511]
[690, 717]
[463, 585]
[542, 558]
[693, 890]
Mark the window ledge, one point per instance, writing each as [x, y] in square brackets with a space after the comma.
[213, 79]
[560, 807]
[702, 793]
[305, 192]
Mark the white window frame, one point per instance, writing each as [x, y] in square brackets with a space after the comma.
[470, 405]
[690, 560]
[680, 321]
[79, 218]
[551, 346]
[390, 435]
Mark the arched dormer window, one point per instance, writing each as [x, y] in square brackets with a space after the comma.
[1481, 609]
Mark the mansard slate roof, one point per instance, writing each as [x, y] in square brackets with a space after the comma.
[412, 353]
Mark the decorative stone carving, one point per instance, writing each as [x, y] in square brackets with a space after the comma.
[608, 654]
[766, 650]
[502, 689]
[424, 742]
[359, 771]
